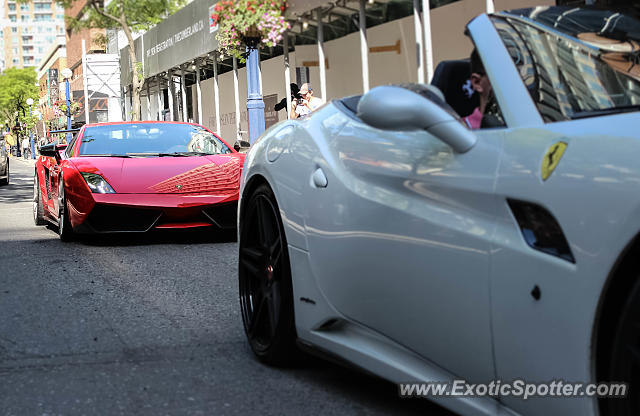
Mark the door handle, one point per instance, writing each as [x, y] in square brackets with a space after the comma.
[319, 179]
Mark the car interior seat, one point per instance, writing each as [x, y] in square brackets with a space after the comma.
[452, 78]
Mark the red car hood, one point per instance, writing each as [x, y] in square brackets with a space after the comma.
[212, 174]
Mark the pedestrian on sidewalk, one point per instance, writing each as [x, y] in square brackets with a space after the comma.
[25, 147]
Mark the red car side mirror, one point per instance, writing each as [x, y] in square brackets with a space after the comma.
[52, 150]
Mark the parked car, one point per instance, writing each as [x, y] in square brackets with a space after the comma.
[135, 177]
[4, 164]
[383, 231]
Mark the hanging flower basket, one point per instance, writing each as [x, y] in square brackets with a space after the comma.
[251, 37]
[251, 23]
[60, 108]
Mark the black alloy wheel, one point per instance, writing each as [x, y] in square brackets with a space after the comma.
[266, 294]
[65, 231]
[624, 365]
[38, 210]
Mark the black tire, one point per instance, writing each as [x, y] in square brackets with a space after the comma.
[266, 293]
[624, 364]
[65, 230]
[5, 181]
[38, 210]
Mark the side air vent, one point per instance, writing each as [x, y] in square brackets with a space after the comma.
[540, 229]
[47, 183]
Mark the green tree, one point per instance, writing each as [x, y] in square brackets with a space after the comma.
[130, 16]
[16, 86]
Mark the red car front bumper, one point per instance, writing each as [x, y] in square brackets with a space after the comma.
[112, 213]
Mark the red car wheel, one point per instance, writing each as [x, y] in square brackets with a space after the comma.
[64, 224]
[38, 210]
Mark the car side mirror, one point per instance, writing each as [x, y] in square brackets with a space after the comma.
[240, 144]
[52, 150]
[397, 108]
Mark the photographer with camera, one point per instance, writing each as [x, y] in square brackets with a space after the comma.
[306, 104]
[295, 94]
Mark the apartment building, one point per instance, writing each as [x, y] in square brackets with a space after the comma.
[27, 31]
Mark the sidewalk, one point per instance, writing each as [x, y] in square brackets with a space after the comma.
[13, 159]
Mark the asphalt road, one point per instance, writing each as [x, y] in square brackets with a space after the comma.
[146, 325]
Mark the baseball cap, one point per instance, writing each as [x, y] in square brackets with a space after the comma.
[306, 87]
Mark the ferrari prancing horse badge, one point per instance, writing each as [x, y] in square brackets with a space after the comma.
[552, 158]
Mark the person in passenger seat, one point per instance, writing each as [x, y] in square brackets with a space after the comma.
[480, 84]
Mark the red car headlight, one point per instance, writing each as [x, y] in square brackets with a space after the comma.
[97, 183]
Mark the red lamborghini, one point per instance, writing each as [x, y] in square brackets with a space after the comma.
[137, 176]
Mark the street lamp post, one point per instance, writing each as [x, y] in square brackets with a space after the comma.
[31, 143]
[17, 127]
[66, 74]
[255, 104]
[38, 117]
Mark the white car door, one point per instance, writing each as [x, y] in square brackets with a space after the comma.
[399, 241]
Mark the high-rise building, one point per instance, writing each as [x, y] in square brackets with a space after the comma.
[28, 31]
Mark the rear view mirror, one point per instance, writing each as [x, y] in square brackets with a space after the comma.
[400, 109]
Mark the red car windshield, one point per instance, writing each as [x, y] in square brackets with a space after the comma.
[150, 139]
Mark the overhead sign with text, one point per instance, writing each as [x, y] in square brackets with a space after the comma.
[178, 39]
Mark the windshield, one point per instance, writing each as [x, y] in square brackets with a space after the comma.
[574, 68]
[150, 139]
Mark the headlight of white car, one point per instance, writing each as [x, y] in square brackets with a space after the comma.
[97, 183]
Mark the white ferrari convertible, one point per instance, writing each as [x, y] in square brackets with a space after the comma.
[383, 231]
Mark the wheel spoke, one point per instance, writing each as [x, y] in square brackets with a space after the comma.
[264, 223]
[257, 315]
[275, 251]
[61, 206]
[260, 221]
[251, 259]
[274, 307]
[61, 209]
